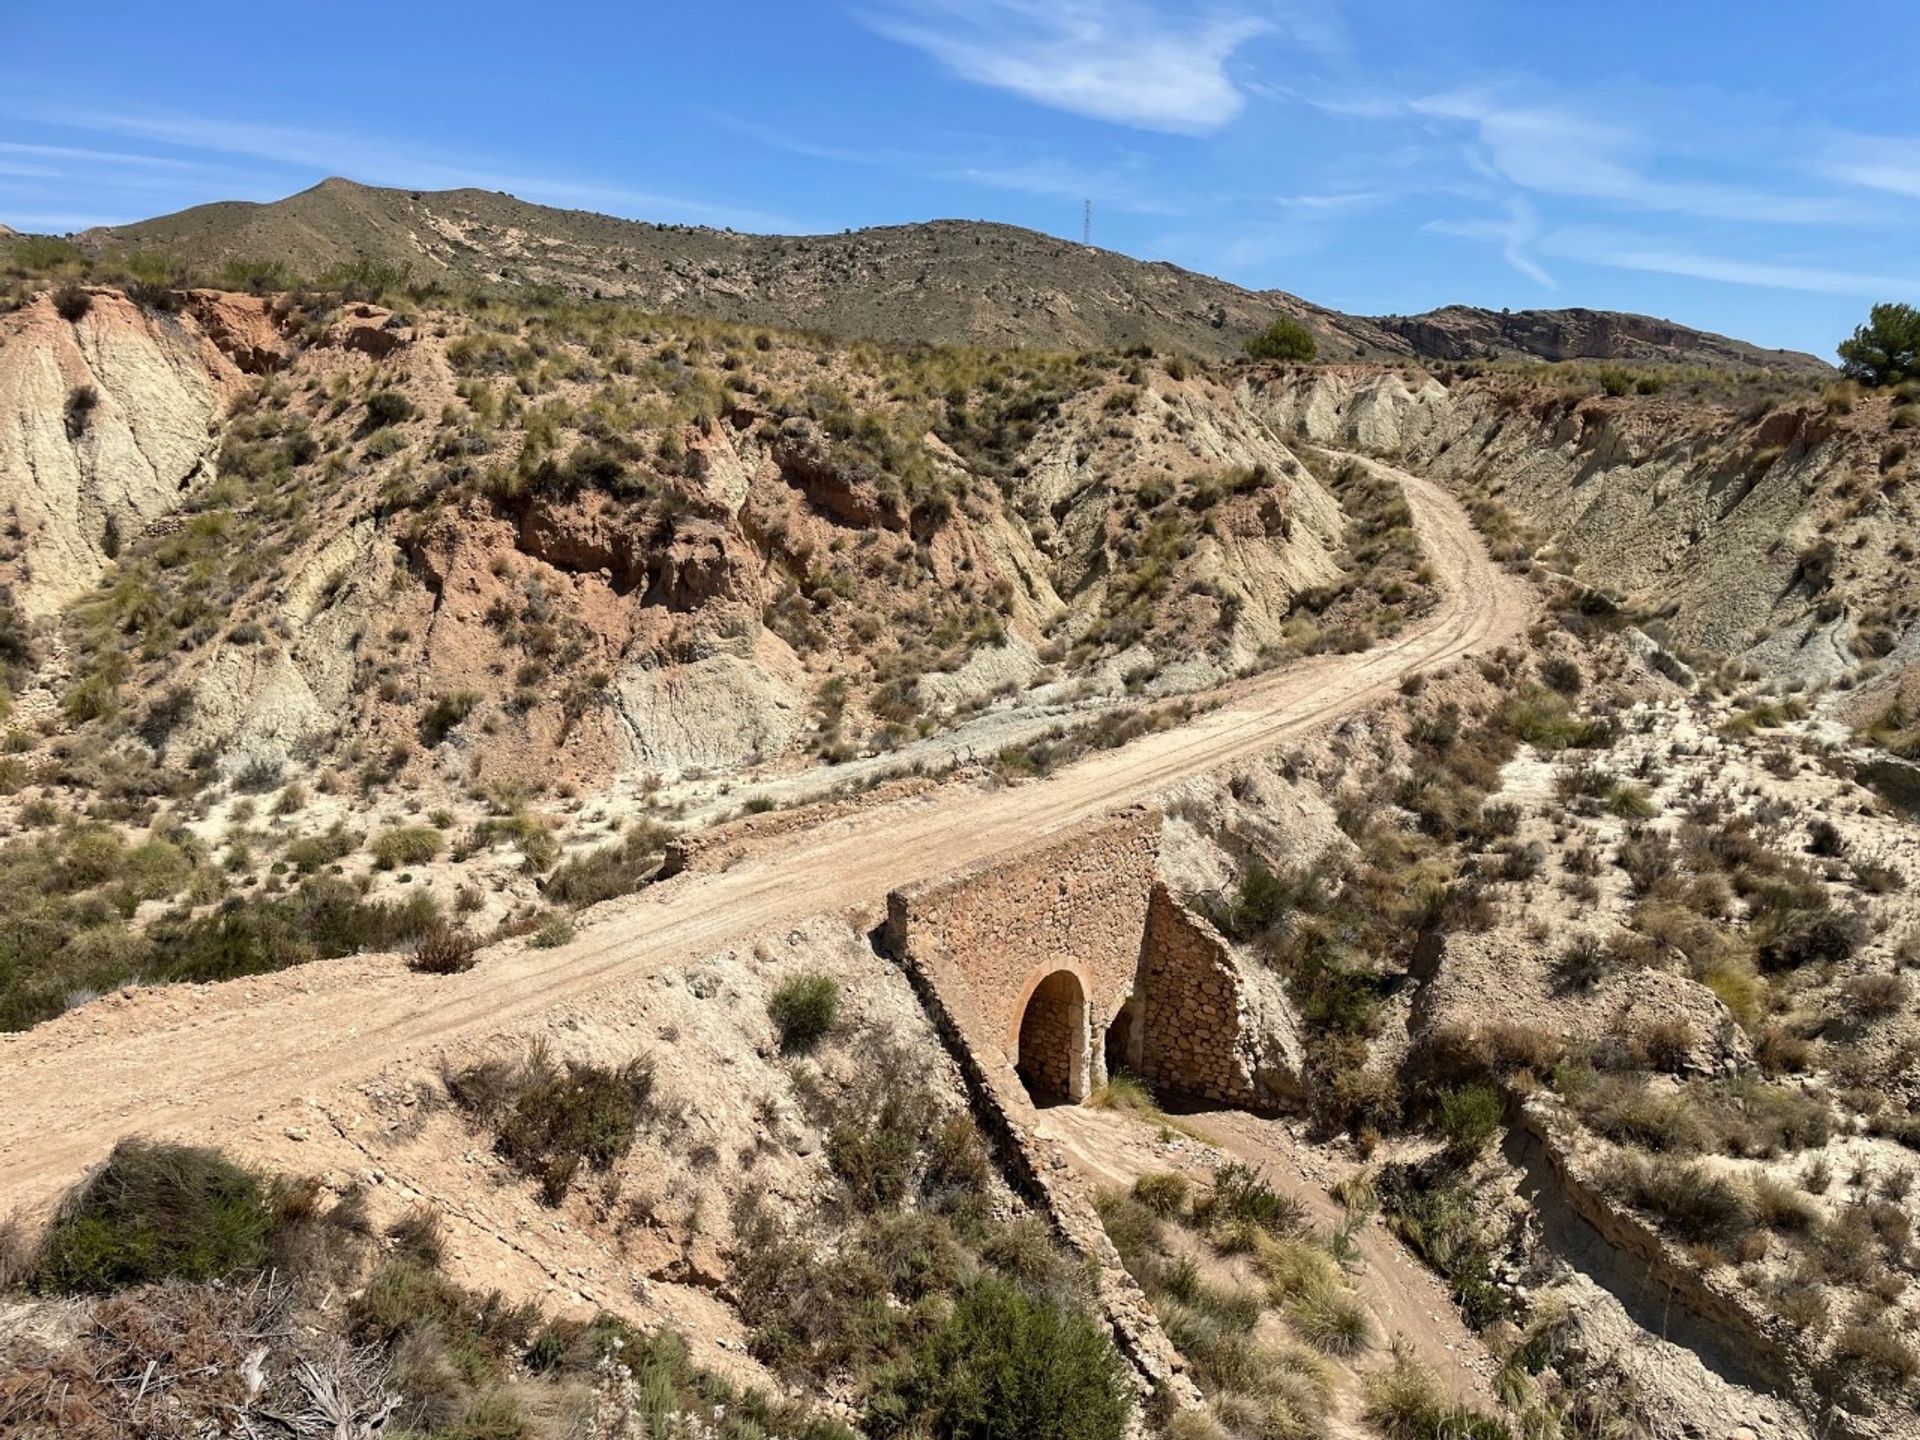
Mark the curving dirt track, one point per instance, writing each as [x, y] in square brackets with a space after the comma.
[201, 1060]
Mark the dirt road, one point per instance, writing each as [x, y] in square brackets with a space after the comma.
[195, 1060]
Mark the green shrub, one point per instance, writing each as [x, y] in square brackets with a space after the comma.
[1004, 1366]
[554, 933]
[71, 303]
[1332, 1320]
[311, 853]
[1469, 1117]
[157, 1212]
[1430, 1211]
[387, 407]
[444, 715]
[62, 933]
[1284, 339]
[551, 1119]
[1242, 1196]
[406, 845]
[803, 1009]
[1561, 674]
[82, 401]
[1404, 1403]
[1164, 1193]
[610, 871]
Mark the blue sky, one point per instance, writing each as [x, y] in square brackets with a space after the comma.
[1749, 168]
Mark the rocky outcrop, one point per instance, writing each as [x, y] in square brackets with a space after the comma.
[715, 712]
[807, 462]
[244, 329]
[107, 423]
[1463, 332]
[373, 330]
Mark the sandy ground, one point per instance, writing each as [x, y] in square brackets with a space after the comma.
[201, 1062]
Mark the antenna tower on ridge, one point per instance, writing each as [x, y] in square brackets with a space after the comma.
[1086, 222]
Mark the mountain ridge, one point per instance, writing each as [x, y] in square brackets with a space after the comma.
[936, 281]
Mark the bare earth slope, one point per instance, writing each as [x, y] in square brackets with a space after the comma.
[202, 1062]
[942, 282]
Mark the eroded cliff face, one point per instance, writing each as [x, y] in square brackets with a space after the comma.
[1782, 534]
[609, 552]
[107, 422]
[675, 593]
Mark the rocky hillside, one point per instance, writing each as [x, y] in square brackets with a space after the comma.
[1779, 531]
[1462, 332]
[481, 559]
[944, 282]
[350, 626]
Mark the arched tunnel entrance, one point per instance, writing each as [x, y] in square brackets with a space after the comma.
[1122, 1048]
[1053, 1043]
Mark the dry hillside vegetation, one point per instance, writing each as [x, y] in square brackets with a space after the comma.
[380, 617]
[446, 576]
[829, 1233]
[1643, 946]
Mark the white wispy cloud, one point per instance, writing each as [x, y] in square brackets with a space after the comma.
[1515, 233]
[1124, 186]
[1556, 150]
[1880, 163]
[1631, 252]
[83, 155]
[1121, 60]
[1342, 203]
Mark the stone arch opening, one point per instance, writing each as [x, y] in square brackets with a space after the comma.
[1053, 1043]
[1122, 1048]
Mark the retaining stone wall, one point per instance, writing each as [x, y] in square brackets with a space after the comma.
[1195, 1019]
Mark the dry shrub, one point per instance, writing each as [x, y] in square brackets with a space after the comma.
[1780, 1051]
[1875, 996]
[1873, 1356]
[1460, 1052]
[444, 950]
[193, 1345]
[1698, 1206]
[1668, 1043]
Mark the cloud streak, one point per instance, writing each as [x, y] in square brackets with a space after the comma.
[1652, 256]
[1120, 187]
[1119, 61]
[1515, 234]
[1551, 150]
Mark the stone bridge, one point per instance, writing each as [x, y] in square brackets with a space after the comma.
[1070, 961]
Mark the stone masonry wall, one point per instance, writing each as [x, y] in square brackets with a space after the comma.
[1079, 904]
[978, 945]
[1036, 1166]
[1194, 1025]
